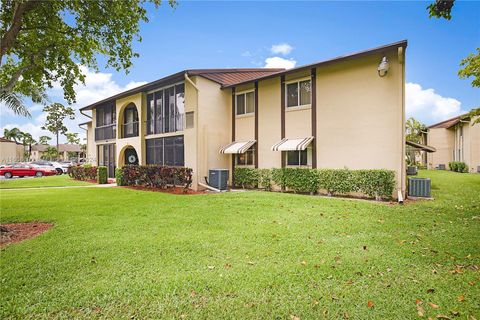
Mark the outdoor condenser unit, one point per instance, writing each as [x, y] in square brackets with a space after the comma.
[218, 178]
[441, 167]
[419, 187]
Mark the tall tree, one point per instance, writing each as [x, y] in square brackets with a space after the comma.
[471, 64]
[47, 42]
[56, 114]
[50, 154]
[414, 130]
[13, 134]
[28, 140]
[72, 138]
[44, 139]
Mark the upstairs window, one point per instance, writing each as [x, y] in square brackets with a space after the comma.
[105, 115]
[245, 103]
[299, 93]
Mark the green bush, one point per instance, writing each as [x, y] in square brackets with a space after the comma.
[102, 176]
[278, 177]
[458, 166]
[301, 180]
[337, 181]
[246, 177]
[373, 183]
[265, 179]
[119, 176]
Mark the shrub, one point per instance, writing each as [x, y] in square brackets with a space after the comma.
[102, 175]
[265, 179]
[301, 179]
[337, 181]
[156, 176]
[246, 177]
[86, 172]
[458, 166]
[119, 176]
[373, 183]
[376, 183]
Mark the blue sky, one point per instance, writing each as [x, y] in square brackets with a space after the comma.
[241, 34]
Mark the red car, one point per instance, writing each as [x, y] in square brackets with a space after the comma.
[22, 170]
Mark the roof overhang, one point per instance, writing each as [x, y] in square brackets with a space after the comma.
[351, 56]
[420, 146]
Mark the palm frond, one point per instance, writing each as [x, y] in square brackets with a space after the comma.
[14, 103]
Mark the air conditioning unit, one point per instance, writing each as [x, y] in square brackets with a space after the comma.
[412, 171]
[419, 187]
[441, 167]
[218, 178]
[478, 169]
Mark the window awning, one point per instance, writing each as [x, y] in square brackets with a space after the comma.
[292, 144]
[238, 147]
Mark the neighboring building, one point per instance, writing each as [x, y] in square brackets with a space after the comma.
[337, 113]
[455, 139]
[11, 151]
[66, 151]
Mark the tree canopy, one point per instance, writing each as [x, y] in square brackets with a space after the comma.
[46, 42]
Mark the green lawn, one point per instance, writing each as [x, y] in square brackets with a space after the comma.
[51, 181]
[123, 253]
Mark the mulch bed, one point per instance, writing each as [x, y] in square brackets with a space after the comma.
[176, 190]
[17, 232]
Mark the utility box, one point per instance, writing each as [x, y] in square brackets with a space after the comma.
[419, 187]
[218, 178]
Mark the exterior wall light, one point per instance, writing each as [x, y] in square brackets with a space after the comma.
[383, 67]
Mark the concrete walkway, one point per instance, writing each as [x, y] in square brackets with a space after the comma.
[108, 185]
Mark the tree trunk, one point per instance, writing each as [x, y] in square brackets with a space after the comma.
[58, 151]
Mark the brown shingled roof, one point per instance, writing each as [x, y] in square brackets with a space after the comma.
[448, 123]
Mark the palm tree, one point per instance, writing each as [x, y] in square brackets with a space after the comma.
[13, 134]
[28, 140]
[14, 103]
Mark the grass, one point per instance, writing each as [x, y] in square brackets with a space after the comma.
[51, 181]
[123, 253]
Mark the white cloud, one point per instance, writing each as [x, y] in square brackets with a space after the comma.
[281, 48]
[429, 106]
[278, 62]
[98, 86]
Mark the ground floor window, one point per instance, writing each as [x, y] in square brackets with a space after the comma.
[299, 157]
[245, 159]
[106, 157]
[167, 151]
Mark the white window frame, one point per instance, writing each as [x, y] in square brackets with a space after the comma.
[298, 106]
[246, 165]
[309, 159]
[246, 114]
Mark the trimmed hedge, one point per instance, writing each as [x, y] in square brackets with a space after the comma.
[85, 172]
[155, 176]
[377, 184]
[102, 175]
[119, 176]
[458, 166]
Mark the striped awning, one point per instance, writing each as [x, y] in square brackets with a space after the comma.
[238, 147]
[292, 144]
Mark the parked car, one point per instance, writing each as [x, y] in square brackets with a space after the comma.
[22, 170]
[49, 165]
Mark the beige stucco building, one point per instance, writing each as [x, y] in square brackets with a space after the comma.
[11, 151]
[66, 152]
[455, 139]
[337, 113]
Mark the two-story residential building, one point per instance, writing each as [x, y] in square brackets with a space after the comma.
[347, 111]
[455, 139]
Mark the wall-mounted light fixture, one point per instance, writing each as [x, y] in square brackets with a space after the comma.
[383, 67]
